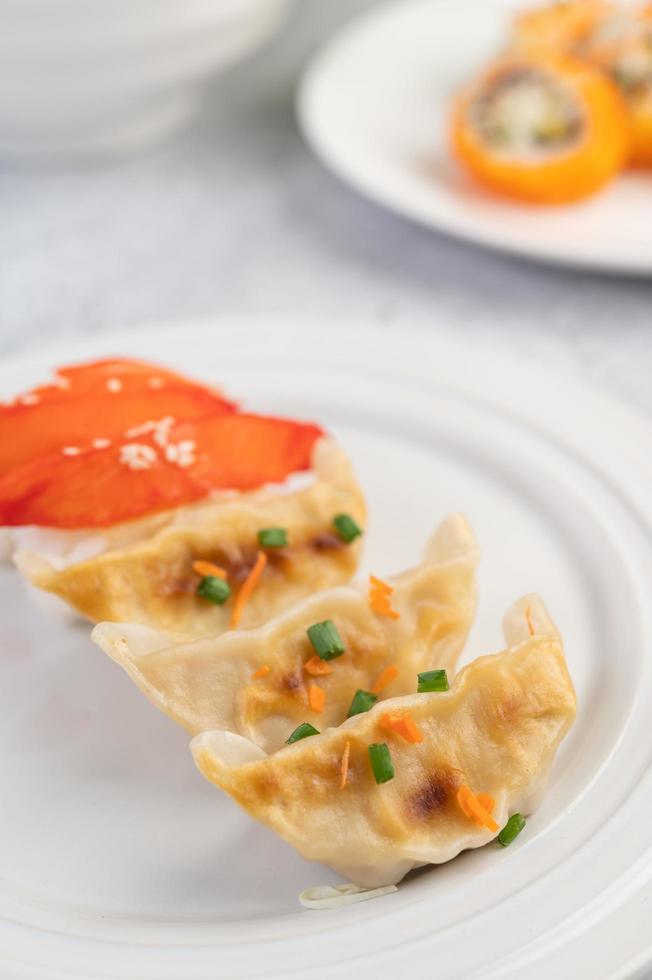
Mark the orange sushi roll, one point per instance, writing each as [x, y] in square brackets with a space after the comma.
[621, 45]
[541, 128]
[559, 26]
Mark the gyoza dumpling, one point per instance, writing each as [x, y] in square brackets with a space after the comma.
[495, 732]
[263, 683]
[152, 581]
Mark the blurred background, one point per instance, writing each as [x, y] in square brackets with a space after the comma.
[193, 194]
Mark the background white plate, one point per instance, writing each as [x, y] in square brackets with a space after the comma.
[119, 861]
[374, 107]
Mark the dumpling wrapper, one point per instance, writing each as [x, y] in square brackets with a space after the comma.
[496, 730]
[208, 683]
[152, 581]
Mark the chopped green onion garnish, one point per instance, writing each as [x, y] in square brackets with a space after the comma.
[512, 829]
[214, 589]
[273, 537]
[432, 680]
[325, 639]
[381, 762]
[304, 730]
[362, 701]
[346, 527]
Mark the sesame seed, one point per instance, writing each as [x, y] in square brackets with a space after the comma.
[71, 450]
[181, 453]
[160, 430]
[114, 385]
[140, 430]
[137, 456]
[100, 443]
[28, 399]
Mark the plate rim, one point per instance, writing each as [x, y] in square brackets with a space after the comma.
[316, 75]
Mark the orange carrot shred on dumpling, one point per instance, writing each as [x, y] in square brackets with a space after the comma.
[247, 588]
[316, 698]
[405, 726]
[471, 807]
[385, 677]
[317, 667]
[344, 766]
[381, 607]
[379, 593]
[462, 795]
[486, 802]
[205, 568]
[377, 583]
[409, 730]
[261, 672]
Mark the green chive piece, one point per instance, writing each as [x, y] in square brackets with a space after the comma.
[362, 701]
[273, 537]
[512, 829]
[432, 680]
[346, 527]
[381, 762]
[214, 589]
[304, 730]
[325, 639]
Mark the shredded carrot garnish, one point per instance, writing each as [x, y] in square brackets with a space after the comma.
[379, 593]
[377, 583]
[382, 607]
[528, 619]
[261, 672]
[473, 808]
[389, 722]
[461, 799]
[317, 667]
[404, 726]
[344, 767]
[316, 698]
[482, 817]
[385, 677]
[247, 588]
[486, 802]
[413, 733]
[205, 568]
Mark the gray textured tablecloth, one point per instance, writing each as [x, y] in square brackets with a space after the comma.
[237, 215]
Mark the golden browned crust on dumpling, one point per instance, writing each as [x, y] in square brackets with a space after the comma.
[495, 731]
[152, 582]
[211, 682]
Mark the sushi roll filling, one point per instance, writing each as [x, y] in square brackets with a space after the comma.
[622, 46]
[526, 112]
[632, 72]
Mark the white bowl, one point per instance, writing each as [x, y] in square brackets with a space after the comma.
[91, 77]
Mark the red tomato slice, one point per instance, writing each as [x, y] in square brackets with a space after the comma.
[116, 375]
[154, 471]
[103, 401]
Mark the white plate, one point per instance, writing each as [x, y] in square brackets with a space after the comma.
[119, 861]
[374, 105]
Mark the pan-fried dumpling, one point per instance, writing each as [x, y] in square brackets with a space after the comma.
[494, 732]
[152, 581]
[262, 683]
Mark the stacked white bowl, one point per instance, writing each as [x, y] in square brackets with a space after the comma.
[83, 78]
